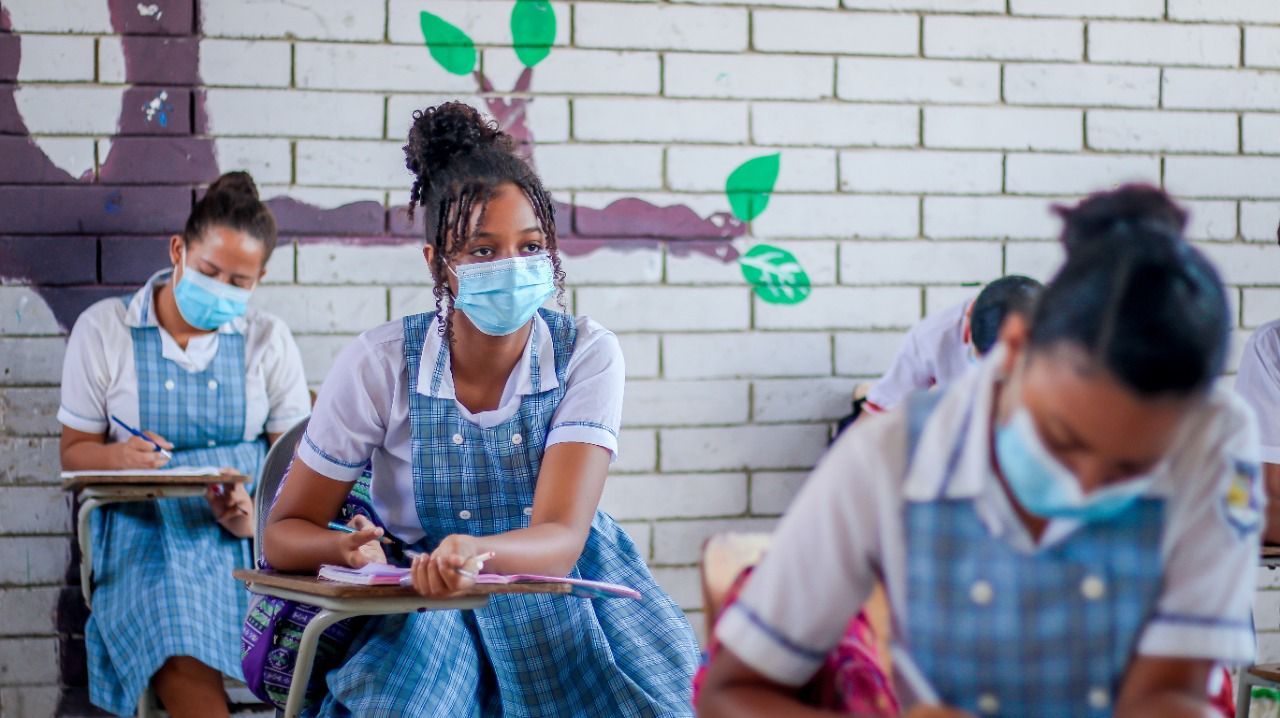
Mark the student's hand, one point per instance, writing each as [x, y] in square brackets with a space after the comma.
[352, 546]
[445, 572]
[139, 454]
[232, 508]
[930, 711]
[372, 551]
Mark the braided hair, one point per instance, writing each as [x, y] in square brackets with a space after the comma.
[459, 160]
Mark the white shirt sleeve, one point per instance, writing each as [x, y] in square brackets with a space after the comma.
[1211, 550]
[590, 411]
[908, 374]
[1258, 383]
[823, 561]
[86, 376]
[351, 414]
[286, 380]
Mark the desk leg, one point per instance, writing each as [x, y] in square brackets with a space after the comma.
[86, 546]
[307, 656]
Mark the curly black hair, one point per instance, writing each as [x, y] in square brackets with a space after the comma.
[459, 160]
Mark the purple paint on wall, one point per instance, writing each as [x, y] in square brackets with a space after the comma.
[80, 209]
[153, 17]
[631, 217]
[24, 162]
[157, 60]
[49, 261]
[159, 160]
[132, 260]
[358, 218]
[139, 116]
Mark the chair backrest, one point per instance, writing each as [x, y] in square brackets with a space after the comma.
[724, 556]
[273, 470]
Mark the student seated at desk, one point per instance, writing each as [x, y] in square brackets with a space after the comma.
[942, 347]
[491, 424]
[1258, 383]
[213, 382]
[1071, 530]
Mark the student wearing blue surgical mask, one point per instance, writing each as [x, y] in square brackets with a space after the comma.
[490, 422]
[213, 382]
[1070, 530]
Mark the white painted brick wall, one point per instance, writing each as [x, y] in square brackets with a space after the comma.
[650, 27]
[838, 33]
[917, 80]
[990, 38]
[921, 143]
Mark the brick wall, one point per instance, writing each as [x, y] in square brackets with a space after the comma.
[920, 141]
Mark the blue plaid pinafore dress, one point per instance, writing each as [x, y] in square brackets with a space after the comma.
[1048, 634]
[522, 655]
[162, 569]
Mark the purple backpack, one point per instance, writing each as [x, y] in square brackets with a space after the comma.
[273, 628]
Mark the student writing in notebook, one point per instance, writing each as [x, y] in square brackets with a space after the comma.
[490, 423]
[1070, 530]
[213, 382]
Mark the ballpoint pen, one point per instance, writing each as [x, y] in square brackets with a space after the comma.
[142, 436]
[349, 529]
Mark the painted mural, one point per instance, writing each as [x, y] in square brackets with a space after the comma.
[76, 237]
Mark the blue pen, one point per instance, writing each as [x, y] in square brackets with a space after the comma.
[348, 529]
[142, 436]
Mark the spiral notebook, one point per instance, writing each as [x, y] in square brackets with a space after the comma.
[382, 574]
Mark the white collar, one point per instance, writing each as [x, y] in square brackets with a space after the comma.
[520, 383]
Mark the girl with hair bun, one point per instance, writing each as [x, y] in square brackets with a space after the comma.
[1070, 530]
[490, 423]
[213, 382]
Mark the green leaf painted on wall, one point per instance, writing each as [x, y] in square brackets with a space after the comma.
[448, 44]
[533, 27]
[775, 274]
[750, 185]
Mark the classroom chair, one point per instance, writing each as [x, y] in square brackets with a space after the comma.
[1266, 675]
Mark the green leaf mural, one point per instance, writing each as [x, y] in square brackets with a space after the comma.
[775, 274]
[448, 44]
[750, 185]
[533, 27]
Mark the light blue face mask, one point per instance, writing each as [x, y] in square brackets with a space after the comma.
[501, 296]
[1048, 489]
[204, 302]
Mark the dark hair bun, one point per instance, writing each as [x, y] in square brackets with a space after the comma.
[238, 185]
[1128, 213]
[444, 132]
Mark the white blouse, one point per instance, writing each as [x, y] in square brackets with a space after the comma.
[99, 378]
[362, 412]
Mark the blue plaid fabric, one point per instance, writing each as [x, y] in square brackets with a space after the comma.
[522, 655]
[1044, 635]
[162, 569]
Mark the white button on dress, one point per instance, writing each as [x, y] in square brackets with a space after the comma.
[457, 439]
[517, 439]
[1093, 588]
[213, 385]
[981, 593]
[988, 704]
[212, 443]
[464, 514]
[528, 511]
[1099, 698]
[168, 384]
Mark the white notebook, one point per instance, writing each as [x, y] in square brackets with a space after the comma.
[381, 574]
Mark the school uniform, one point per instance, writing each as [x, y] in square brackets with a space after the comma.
[935, 352]
[998, 623]
[162, 569]
[439, 469]
[1258, 383]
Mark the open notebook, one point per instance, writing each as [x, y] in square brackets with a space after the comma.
[381, 574]
[181, 471]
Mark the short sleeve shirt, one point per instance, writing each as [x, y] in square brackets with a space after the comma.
[934, 353]
[362, 413]
[1258, 383]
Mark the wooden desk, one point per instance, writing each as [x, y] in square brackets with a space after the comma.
[94, 492]
[340, 601]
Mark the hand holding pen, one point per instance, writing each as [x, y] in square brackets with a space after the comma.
[450, 569]
[143, 450]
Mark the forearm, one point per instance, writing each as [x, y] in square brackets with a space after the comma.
[549, 549]
[299, 546]
[89, 455]
[1168, 704]
[747, 700]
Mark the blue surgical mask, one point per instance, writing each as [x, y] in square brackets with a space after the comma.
[501, 296]
[1048, 489]
[204, 302]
